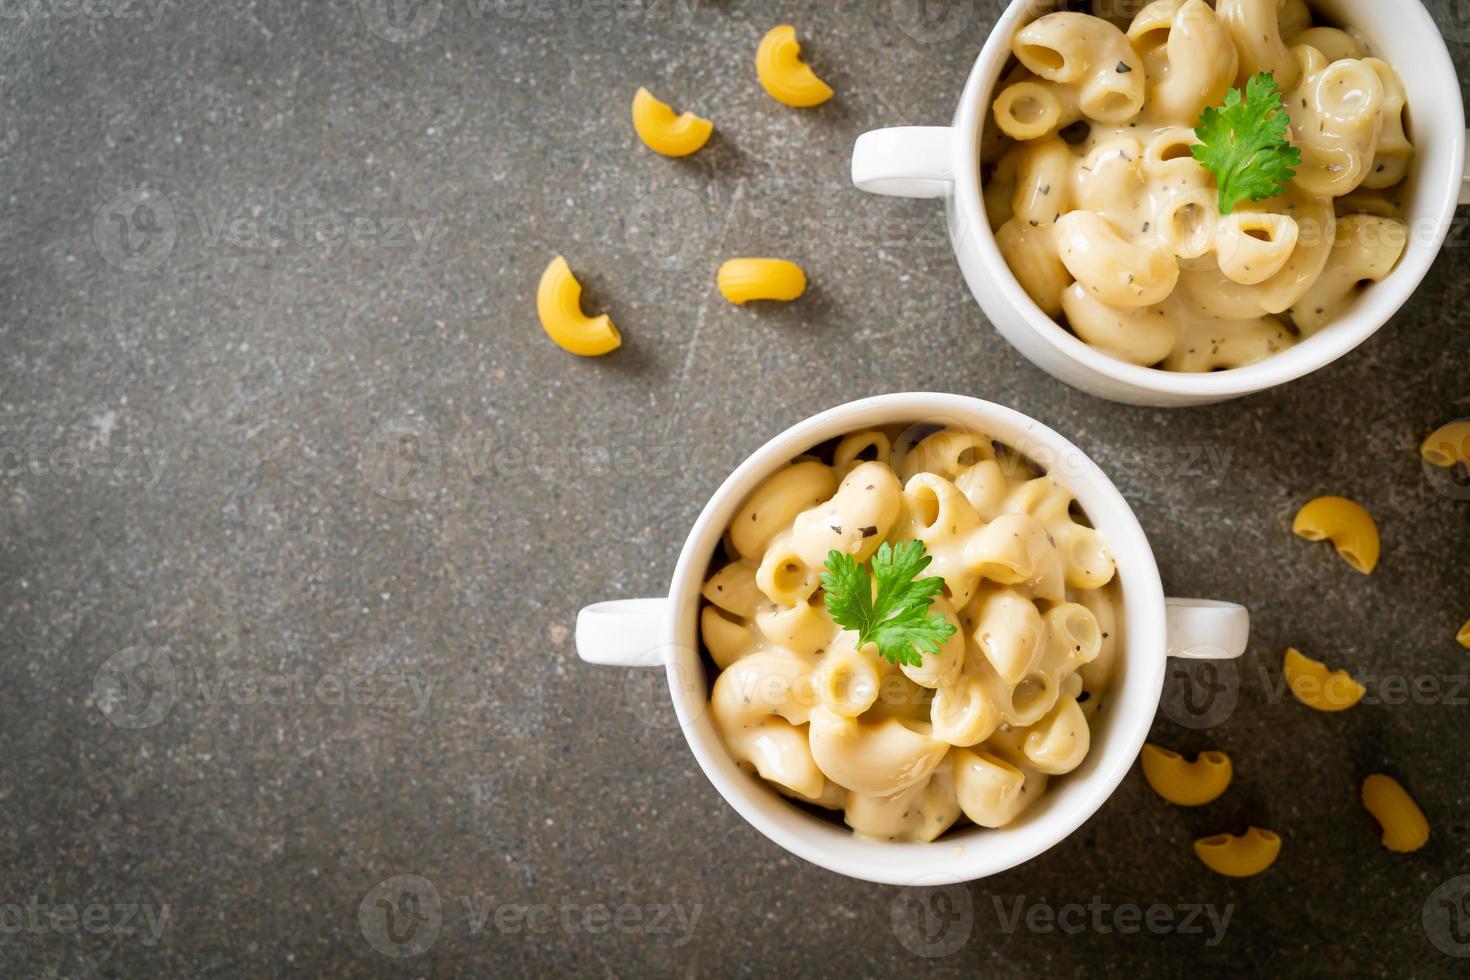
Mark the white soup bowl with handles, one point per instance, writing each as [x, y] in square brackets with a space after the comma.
[944, 162]
[664, 633]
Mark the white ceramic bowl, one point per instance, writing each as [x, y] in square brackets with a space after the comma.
[944, 161]
[664, 633]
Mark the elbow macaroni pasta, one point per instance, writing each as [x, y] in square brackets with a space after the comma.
[1365, 249]
[975, 731]
[1186, 783]
[663, 132]
[1463, 637]
[1239, 857]
[559, 305]
[1314, 686]
[742, 280]
[1115, 229]
[1404, 826]
[1346, 524]
[1448, 445]
[782, 73]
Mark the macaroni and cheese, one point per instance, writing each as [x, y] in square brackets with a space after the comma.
[1113, 227]
[974, 730]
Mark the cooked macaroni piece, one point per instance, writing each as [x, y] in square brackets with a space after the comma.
[977, 729]
[1314, 686]
[1110, 224]
[559, 305]
[663, 132]
[1404, 826]
[784, 76]
[1239, 857]
[1448, 445]
[1186, 783]
[1346, 524]
[742, 280]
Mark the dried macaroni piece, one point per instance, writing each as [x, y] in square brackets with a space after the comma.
[1186, 783]
[1239, 857]
[559, 305]
[784, 76]
[1315, 687]
[1447, 445]
[1404, 826]
[742, 280]
[663, 132]
[1346, 524]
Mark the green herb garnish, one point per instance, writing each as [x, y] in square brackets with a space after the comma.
[1244, 144]
[895, 616]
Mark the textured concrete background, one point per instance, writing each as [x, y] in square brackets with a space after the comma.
[299, 505]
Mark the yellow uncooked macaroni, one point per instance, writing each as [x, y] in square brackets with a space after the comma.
[742, 280]
[1112, 227]
[1314, 686]
[1182, 782]
[1239, 857]
[1449, 444]
[1404, 826]
[784, 76]
[559, 304]
[1464, 635]
[1346, 524]
[975, 731]
[663, 132]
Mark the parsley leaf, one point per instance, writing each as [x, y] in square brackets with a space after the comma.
[1244, 144]
[895, 615]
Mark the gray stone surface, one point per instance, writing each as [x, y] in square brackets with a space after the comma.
[299, 467]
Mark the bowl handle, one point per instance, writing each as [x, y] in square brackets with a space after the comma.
[1465, 176]
[625, 633]
[907, 161]
[1204, 629]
